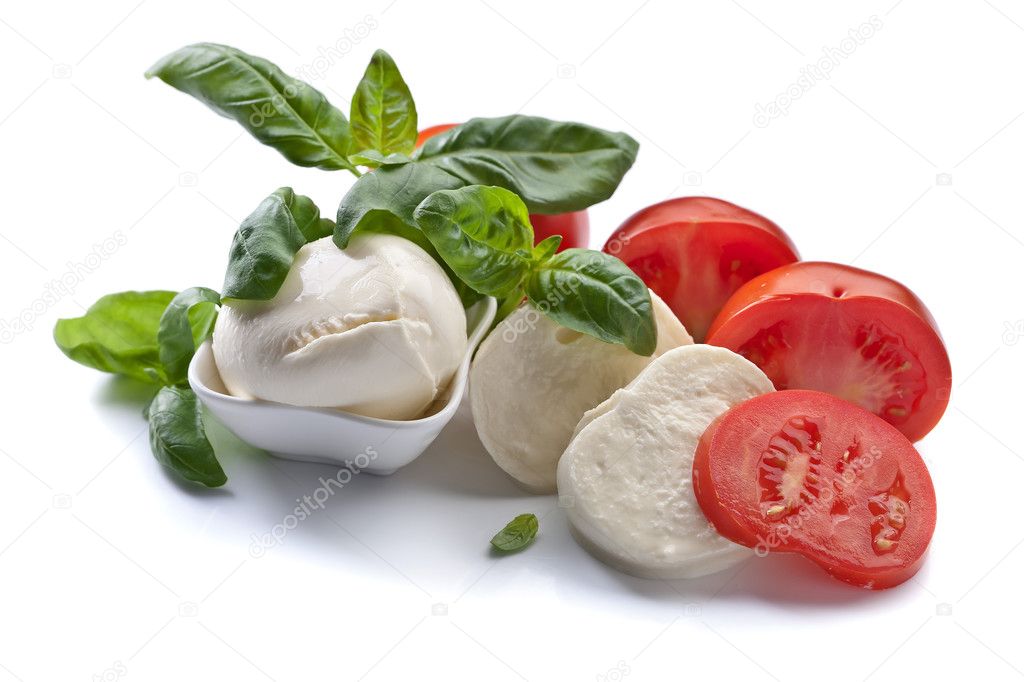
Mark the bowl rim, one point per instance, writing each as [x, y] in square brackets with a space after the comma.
[484, 311]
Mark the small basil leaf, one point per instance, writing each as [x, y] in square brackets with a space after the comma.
[178, 438]
[185, 324]
[118, 334]
[519, 532]
[596, 294]
[547, 247]
[265, 244]
[283, 112]
[554, 166]
[383, 113]
[372, 158]
[384, 200]
[482, 233]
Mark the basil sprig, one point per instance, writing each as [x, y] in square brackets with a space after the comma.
[282, 112]
[553, 166]
[484, 235]
[518, 533]
[265, 244]
[152, 336]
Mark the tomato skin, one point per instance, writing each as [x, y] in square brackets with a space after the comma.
[695, 252]
[860, 500]
[845, 331]
[573, 226]
[428, 133]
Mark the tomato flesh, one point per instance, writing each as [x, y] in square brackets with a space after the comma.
[810, 473]
[695, 252]
[574, 227]
[848, 332]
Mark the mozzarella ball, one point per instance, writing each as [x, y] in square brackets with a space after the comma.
[376, 329]
[533, 379]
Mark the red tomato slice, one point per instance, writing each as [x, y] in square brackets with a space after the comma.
[848, 332]
[695, 252]
[806, 472]
[574, 227]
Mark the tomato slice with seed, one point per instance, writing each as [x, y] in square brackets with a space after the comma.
[695, 252]
[574, 227]
[848, 332]
[807, 472]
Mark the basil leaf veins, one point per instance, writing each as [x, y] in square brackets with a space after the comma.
[519, 532]
[117, 334]
[383, 114]
[482, 233]
[282, 112]
[184, 325]
[554, 166]
[177, 437]
[597, 294]
[265, 244]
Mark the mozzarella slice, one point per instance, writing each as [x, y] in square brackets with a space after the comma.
[625, 479]
[532, 380]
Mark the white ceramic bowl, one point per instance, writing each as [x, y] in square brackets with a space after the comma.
[312, 434]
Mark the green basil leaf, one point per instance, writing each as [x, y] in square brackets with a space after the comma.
[467, 295]
[383, 113]
[547, 247]
[178, 438]
[372, 158]
[554, 166]
[595, 294]
[384, 200]
[482, 233]
[519, 532]
[118, 334]
[185, 324]
[265, 244]
[283, 112]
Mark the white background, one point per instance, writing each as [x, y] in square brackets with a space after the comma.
[907, 160]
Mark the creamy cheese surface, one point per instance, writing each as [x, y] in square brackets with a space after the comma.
[533, 379]
[627, 475]
[376, 330]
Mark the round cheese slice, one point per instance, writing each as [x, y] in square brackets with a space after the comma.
[625, 479]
